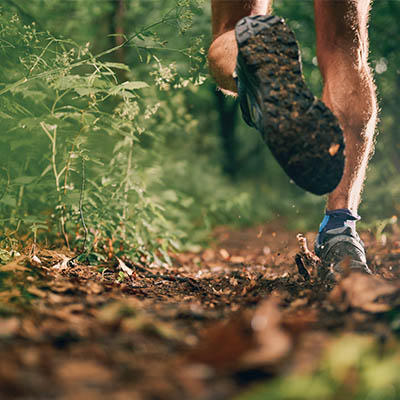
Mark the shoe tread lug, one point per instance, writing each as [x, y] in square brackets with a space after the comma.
[270, 56]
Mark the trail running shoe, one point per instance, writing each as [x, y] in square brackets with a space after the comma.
[342, 248]
[302, 133]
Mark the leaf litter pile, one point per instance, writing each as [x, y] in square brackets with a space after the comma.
[248, 311]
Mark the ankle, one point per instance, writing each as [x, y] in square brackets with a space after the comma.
[338, 218]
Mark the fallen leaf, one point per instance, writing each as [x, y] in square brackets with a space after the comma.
[37, 292]
[83, 372]
[266, 250]
[208, 255]
[224, 254]
[364, 292]
[62, 264]
[245, 340]
[95, 288]
[222, 345]
[9, 326]
[36, 259]
[15, 265]
[6, 295]
[61, 286]
[123, 267]
[237, 259]
[273, 343]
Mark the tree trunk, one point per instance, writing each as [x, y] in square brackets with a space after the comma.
[117, 30]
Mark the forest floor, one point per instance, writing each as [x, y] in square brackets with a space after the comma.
[212, 326]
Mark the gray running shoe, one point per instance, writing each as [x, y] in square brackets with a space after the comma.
[341, 248]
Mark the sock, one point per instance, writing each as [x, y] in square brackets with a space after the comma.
[339, 218]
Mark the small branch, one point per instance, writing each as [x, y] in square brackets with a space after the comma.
[81, 215]
[302, 269]
[81, 206]
[306, 258]
[170, 278]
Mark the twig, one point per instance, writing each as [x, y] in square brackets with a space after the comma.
[82, 217]
[306, 258]
[169, 278]
[304, 250]
[302, 269]
[81, 205]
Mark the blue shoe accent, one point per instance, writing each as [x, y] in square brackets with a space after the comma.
[323, 223]
[339, 218]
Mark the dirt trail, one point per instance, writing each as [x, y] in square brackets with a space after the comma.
[206, 328]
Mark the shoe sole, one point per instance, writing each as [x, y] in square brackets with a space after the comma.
[301, 132]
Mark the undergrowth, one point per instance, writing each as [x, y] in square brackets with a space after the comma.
[102, 165]
[110, 142]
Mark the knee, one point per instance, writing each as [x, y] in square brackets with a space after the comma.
[223, 50]
[214, 56]
[222, 60]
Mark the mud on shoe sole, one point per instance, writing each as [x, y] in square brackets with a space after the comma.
[301, 132]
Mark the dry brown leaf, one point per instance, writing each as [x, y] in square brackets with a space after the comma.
[83, 372]
[95, 288]
[62, 264]
[363, 291]
[237, 259]
[6, 295]
[124, 268]
[56, 298]
[273, 343]
[266, 251]
[222, 345]
[245, 340]
[9, 326]
[224, 254]
[37, 292]
[208, 255]
[36, 260]
[62, 286]
[15, 265]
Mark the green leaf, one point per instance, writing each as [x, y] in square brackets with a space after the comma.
[68, 82]
[9, 200]
[117, 65]
[86, 91]
[4, 115]
[128, 85]
[24, 180]
[133, 85]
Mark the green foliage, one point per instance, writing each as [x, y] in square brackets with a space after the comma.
[354, 367]
[62, 108]
[104, 162]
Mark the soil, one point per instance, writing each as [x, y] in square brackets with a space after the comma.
[241, 311]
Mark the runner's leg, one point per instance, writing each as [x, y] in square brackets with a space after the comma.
[349, 91]
[223, 50]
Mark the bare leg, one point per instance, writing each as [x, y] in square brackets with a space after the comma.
[223, 50]
[342, 50]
